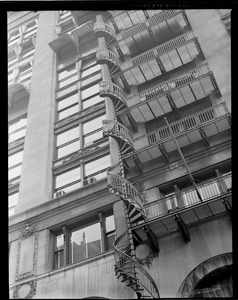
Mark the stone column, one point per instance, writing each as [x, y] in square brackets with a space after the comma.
[36, 177]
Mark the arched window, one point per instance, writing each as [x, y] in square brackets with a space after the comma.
[210, 279]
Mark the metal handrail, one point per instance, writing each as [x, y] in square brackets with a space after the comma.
[125, 188]
[99, 26]
[107, 87]
[173, 83]
[127, 264]
[109, 55]
[117, 129]
[188, 197]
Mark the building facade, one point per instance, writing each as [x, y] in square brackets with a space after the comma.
[119, 154]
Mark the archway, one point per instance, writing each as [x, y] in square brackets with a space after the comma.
[210, 279]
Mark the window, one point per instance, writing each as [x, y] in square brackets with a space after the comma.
[68, 106]
[67, 76]
[97, 168]
[68, 142]
[68, 181]
[17, 129]
[84, 239]
[59, 251]
[92, 130]
[12, 202]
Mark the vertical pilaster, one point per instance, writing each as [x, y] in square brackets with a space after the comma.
[36, 177]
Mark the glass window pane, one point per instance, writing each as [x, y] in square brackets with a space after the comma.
[90, 91]
[15, 159]
[11, 211]
[17, 124]
[110, 225]
[17, 135]
[69, 71]
[68, 81]
[67, 136]
[91, 79]
[93, 137]
[15, 172]
[68, 177]
[13, 199]
[93, 238]
[67, 90]
[70, 148]
[59, 242]
[68, 101]
[97, 165]
[91, 101]
[91, 70]
[88, 62]
[68, 112]
[93, 124]
[78, 245]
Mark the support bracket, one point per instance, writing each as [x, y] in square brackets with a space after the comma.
[153, 241]
[183, 228]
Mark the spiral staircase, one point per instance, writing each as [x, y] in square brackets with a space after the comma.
[127, 268]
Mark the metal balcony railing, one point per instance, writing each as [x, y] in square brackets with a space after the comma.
[164, 15]
[187, 123]
[209, 190]
[105, 56]
[113, 91]
[175, 82]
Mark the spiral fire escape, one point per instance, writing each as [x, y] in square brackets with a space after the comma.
[127, 268]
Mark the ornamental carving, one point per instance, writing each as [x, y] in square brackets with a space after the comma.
[27, 252]
[25, 290]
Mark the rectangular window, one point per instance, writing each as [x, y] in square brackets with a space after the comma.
[85, 243]
[67, 136]
[83, 240]
[92, 90]
[97, 168]
[69, 100]
[12, 202]
[68, 142]
[110, 232]
[15, 159]
[90, 70]
[92, 130]
[92, 101]
[59, 251]
[68, 181]
[14, 172]
[91, 79]
[68, 112]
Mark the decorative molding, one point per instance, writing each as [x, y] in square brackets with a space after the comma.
[25, 290]
[30, 231]
[78, 157]
[78, 118]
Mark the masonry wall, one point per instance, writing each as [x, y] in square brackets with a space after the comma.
[36, 176]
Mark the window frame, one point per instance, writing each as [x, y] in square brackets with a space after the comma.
[69, 227]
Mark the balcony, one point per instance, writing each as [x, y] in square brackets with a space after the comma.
[132, 40]
[107, 57]
[160, 213]
[103, 30]
[66, 42]
[115, 93]
[120, 133]
[18, 91]
[161, 60]
[187, 131]
[181, 90]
